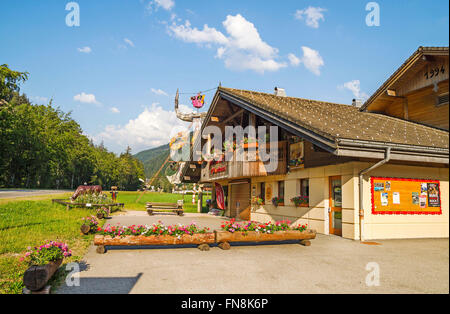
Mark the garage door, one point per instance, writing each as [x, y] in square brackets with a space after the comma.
[240, 199]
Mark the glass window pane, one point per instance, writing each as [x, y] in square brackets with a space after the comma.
[336, 190]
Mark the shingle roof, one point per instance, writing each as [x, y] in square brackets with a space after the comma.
[338, 121]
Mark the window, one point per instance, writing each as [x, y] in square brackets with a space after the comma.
[262, 191]
[281, 189]
[304, 187]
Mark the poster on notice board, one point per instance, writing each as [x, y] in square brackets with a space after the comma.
[433, 195]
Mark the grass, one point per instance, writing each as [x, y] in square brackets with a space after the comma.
[32, 220]
[137, 200]
[27, 223]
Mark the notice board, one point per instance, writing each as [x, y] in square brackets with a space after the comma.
[399, 196]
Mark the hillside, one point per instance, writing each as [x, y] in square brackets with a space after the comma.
[153, 159]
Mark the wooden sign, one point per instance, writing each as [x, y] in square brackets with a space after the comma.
[399, 196]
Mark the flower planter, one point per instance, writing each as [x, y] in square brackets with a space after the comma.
[201, 238]
[36, 277]
[250, 145]
[100, 216]
[253, 236]
[85, 229]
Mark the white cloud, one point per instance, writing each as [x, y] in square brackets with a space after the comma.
[312, 60]
[165, 4]
[294, 60]
[86, 98]
[242, 49]
[193, 35]
[159, 92]
[85, 49]
[129, 42]
[115, 110]
[355, 87]
[153, 127]
[312, 16]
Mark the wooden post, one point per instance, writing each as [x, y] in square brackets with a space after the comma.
[200, 199]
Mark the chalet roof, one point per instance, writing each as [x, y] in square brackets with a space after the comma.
[413, 59]
[337, 122]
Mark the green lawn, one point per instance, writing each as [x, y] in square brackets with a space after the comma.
[27, 223]
[31, 221]
[137, 200]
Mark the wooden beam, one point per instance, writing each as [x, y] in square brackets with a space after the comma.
[233, 116]
[405, 109]
[391, 92]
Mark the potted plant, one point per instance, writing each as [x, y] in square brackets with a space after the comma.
[102, 213]
[250, 142]
[43, 262]
[277, 201]
[301, 201]
[89, 225]
[258, 201]
[296, 162]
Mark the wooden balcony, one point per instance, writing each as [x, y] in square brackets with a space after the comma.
[213, 171]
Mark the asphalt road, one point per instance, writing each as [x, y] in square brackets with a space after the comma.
[331, 265]
[25, 193]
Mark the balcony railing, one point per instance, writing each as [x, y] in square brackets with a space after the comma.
[217, 170]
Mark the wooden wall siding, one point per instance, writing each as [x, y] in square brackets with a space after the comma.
[422, 107]
[315, 158]
[428, 74]
[245, 169]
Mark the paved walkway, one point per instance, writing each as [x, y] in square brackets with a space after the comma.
[330, 265]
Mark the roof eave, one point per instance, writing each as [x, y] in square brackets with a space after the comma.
[402, 69]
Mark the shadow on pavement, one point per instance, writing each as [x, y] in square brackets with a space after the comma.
[102, 285]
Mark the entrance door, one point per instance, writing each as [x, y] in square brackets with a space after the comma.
[335, 206]
[240, 199]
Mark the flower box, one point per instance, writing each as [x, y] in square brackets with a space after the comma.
[254, 236]
[36, 277]
[250, 145]
[203, 238]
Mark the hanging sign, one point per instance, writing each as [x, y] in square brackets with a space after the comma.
[401, 196]
[220, 196]
[198, 101]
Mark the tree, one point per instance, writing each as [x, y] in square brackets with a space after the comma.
[9, 81]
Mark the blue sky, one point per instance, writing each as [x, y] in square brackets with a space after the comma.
[119, 70]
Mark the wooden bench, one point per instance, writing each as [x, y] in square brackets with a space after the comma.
[164, 208]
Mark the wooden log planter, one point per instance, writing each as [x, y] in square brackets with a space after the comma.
[35, 278]
[223, 238]
[203, 240]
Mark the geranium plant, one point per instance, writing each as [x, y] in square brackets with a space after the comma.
[103, 212]
[300, 201]
[157, 229]
[258, 201]
[276, 201]
[90, 221]
[284, 225]
[49, 252]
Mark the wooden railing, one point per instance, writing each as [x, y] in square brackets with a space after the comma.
[214, 171]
